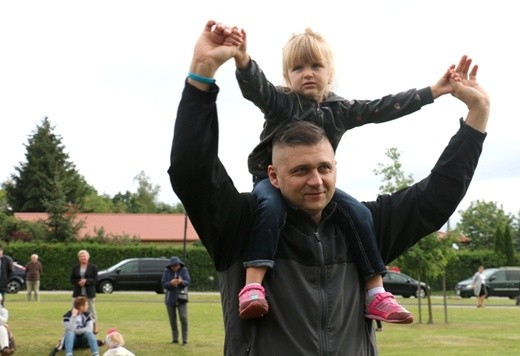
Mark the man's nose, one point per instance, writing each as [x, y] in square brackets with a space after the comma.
[314, 178]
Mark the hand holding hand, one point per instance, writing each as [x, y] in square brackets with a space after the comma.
[468, 90]
[217, 44]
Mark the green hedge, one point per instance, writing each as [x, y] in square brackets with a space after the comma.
[58, 258]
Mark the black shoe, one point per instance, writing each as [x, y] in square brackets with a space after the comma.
[54, 351]
[175, 341]
[184, 343]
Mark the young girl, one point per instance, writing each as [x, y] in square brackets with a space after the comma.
[115, 342]
[308, 70]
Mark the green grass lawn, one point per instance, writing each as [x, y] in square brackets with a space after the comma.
[142, 319]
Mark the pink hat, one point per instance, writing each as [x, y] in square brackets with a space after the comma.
[111, 330]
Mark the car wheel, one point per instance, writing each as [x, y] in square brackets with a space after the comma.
[422, 293]
[14, 286]
[106, 287]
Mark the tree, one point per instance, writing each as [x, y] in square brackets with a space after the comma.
[46, 165]
[499, 240]
[508, 250]
[516, 231]
[61, 222]
[144, 200]
[480, 222]
[146, 197]
[394, 178]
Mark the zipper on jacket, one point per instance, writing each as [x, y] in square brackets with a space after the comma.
[323, 298]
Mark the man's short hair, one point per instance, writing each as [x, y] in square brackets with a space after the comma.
[297, 133]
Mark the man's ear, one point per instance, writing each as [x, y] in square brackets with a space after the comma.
[273, 177]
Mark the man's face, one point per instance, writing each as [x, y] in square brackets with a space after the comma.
[305, 175]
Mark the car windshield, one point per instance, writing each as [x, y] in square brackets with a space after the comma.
[117, 265]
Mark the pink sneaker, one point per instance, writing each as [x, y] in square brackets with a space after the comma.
[384, 307]
[252, 303]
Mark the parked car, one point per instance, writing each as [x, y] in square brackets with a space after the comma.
[17, 281]
[500, 282]
[400, 284]
[141, 274]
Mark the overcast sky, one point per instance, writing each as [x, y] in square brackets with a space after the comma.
[109, 74]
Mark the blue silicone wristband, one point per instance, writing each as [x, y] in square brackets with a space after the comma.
[200, 78]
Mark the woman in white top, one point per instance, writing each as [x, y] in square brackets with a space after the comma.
[5, 348]
[479, 286]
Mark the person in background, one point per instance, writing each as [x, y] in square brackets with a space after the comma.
[78, 325]
[175, 280]
[6, 273]
[33, 272]
[5, 346]
[479, 286]
[84, 280]
[115, 342]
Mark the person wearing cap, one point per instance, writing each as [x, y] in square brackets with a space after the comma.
[115, 341]
[175, 281]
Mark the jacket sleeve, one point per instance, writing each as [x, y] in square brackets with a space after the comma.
[74, 276]
[255, 87]
[92, 275]
[390, 107]
[185, 275]
[216, 209]
[403, 218]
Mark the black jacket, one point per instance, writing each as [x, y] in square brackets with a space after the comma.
[6, 271]
[335, 114]
[317, 306]
[90, 275]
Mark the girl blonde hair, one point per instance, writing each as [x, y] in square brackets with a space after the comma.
[304, 48]
[114, 339]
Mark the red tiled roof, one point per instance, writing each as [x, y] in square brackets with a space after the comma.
[148, 227]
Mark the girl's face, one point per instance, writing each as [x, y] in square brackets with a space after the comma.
[310, 80]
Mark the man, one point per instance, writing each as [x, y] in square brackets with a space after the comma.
[33, 272]
[320, 310]
[6, 272]
[84, 280]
